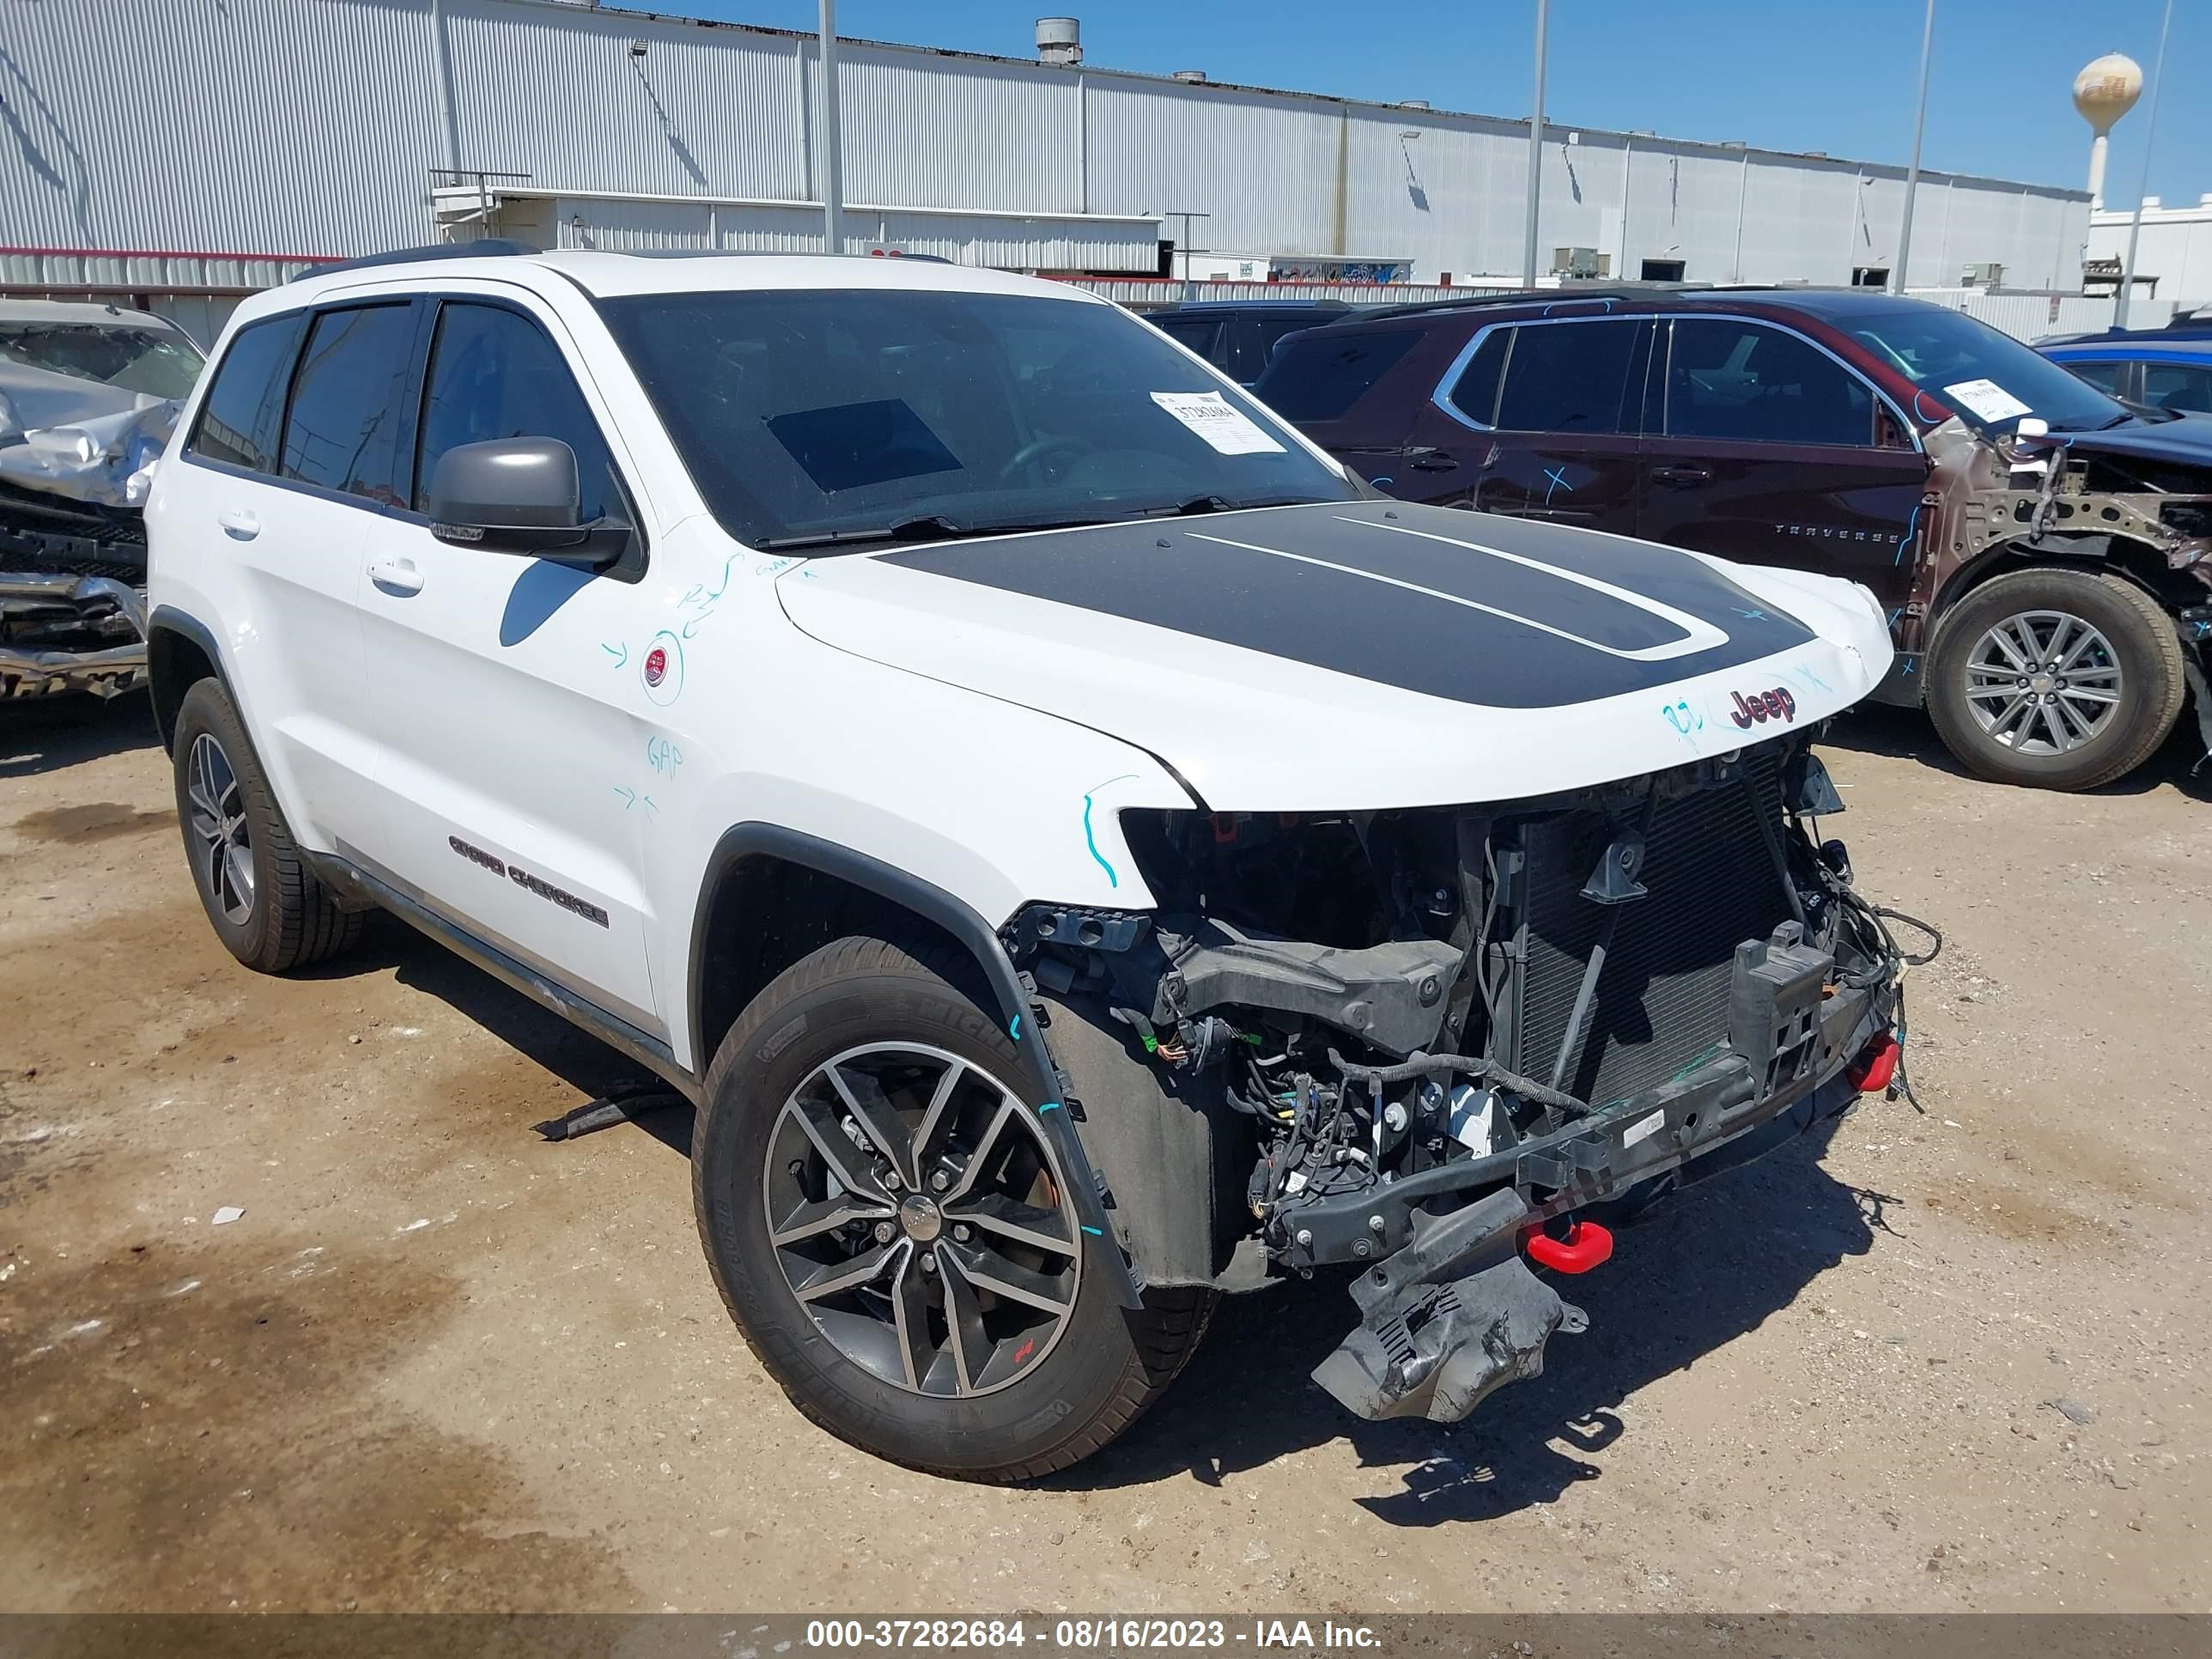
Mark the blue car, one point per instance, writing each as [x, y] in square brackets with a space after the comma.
[2156, 369]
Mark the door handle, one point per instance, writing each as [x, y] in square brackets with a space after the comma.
[1680, 475]
[396, 576]
[238, 525]
[1426, 459]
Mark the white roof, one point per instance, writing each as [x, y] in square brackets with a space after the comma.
[608, 274]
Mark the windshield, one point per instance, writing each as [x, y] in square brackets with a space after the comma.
[158, 361]
[1988, 379]
[810, 414]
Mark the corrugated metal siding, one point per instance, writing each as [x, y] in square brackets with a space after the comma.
[2027, 316]
[558, 96]
[117, 144]
[949, 132]
[617, 227]
[311, 126]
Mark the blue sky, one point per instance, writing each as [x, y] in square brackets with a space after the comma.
[1782, 74]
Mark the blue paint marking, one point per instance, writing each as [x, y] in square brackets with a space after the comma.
[1379, 482]
[1091, 841]
[1905, 541]
[1752, 615]
[1014, 1028]
[619, 652]
[1049, 1106]
[1558, 474]
[1093, 1231]
[1941, 415]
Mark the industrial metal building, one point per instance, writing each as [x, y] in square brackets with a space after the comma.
[262, 134]
[2173, 259]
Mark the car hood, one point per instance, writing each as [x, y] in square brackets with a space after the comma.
[1362, 655]
[2186, 441]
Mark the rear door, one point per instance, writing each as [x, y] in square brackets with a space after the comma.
[2185, 388]
[1768, 449]
[519, 791]
[1547, 412]
[297, 449]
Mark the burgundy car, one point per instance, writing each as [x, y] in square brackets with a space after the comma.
[2045, 553]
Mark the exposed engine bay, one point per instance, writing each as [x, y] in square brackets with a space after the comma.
[1426, 1037]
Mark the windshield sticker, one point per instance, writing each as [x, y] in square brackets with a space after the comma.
[1985, 399]
[1226, 428]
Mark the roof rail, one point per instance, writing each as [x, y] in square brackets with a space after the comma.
[487, 247]
[1531, 296]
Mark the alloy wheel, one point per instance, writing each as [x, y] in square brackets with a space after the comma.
[222, 846]
[2043, 682]
[917, 1212]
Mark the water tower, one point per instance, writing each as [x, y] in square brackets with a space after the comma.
[2104, 91]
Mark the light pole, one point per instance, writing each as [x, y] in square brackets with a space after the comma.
[1536, 150]
[1912, 173]
[833, 177]
[2150, 135]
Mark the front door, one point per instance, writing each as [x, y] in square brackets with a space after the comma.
[519, 790]
[1767, 450]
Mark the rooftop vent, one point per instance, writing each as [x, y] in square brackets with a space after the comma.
[1059, 42]
[1192, 77]
[1414, 103]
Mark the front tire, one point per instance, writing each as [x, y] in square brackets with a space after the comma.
[2055, 679]
[893, 1235]
[263, 900]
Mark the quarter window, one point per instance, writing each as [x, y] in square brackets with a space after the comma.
[1568, 377]
[1474, 394]
[342, 431]
[1742, 382]
[245, 406]
[494, 373]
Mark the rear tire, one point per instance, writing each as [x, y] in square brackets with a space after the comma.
[2116, 694]
[888, 1022]
[263, 900]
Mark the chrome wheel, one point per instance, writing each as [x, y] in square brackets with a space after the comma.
[918, 1216]
[222, 848]
[2043, 683]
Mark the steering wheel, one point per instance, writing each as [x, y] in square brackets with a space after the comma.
[1035, 449]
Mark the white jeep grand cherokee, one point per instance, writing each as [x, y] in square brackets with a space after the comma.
[1079, 851]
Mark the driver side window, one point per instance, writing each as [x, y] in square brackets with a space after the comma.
[494, 373]
[1744, 382]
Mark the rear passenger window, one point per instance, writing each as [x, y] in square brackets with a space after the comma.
[1474, 394]
[349, 402]
[2178, 386]
[244, 402]
[1741, 382]
[1204, 335]
[2106, 375]
[1568, 377]
[1318, 377]
[494, 373]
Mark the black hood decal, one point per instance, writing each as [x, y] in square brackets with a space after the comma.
[1475, 608]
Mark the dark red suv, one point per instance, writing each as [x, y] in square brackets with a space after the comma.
[2050, 586]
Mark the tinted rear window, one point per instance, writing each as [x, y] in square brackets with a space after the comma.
[1474, 394]
[349, 402]
[1318, 378]
[1568, 377]
[244, 403]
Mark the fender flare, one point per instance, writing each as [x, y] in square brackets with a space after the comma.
[167, 619]
[1045, 1083]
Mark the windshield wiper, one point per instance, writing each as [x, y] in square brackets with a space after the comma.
[1196, 504]
[934, 528]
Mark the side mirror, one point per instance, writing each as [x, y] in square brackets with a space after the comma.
[512, 496]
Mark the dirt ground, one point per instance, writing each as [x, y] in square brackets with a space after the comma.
[1945, 1362]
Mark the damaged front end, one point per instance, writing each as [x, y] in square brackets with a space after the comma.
[1417, 1043]
[72, 598]
[90, 394]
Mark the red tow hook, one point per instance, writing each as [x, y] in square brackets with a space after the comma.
[1876, 1065]
[1586, 1246]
